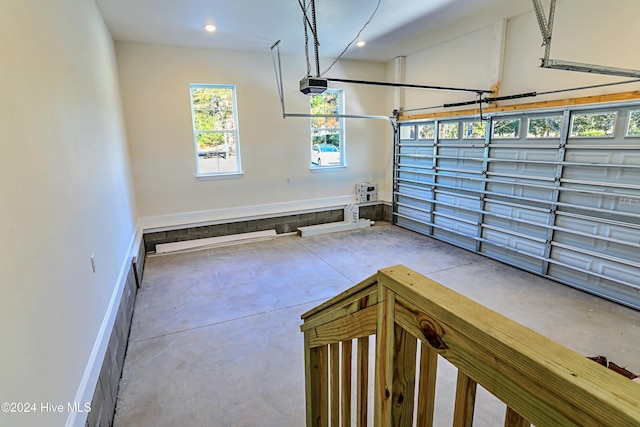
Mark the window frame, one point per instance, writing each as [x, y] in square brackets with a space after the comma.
[553, 115]
[627, 133]
[341, 132]
[234, 132]
[468, 126]
[429, 135]
[611, 135]
[518, 129]
[454, 125]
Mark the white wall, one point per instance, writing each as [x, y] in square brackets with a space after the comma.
[588, 31]
[155, 88]
[65, 194]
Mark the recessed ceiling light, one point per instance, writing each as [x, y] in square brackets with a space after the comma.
[360, 43]
[210, 27]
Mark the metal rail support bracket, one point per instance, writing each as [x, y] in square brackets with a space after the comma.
[546, 30]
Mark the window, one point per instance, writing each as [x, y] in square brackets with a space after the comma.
[215, 129]
[503, 129]
[474, 130]
[327, 133]
[448, 130]
[408, 132]
[545, 127]
[634, 123]
[593, 125]
[427, 131]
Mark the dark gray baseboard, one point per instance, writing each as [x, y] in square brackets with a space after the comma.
[103, 404]
[282, 224]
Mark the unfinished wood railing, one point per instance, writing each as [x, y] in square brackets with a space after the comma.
[540, 381]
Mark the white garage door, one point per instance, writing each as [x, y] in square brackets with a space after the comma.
[556, 193]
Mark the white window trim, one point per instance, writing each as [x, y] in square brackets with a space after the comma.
[236, 133]
[343, 151]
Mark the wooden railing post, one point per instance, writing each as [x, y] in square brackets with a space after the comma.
[514, 419]
[427, 385]
[334, 383]
[384, 357]
[465, 401]
[362, 368]
[309, 398]
[317, 386]
[346, 383]
[404, 378]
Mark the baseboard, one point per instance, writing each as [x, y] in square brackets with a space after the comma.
[283, 223]
[89, 383]
[244, 213]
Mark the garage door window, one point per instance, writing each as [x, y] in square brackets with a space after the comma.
[474, 130]
[634, 123]
[427, 131]
[593, 125]
[544, 127]
[503, 129]
[448, 130]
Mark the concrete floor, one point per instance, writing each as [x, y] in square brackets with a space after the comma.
[215, 339]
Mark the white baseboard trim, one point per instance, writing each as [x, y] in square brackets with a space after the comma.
[241, 213]
[214, 242]
[247, 213]
[96, 358]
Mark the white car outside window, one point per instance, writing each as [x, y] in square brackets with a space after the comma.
[325, 155]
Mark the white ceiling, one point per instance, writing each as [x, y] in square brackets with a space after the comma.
[257, 24]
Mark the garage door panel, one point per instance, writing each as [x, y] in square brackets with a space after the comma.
[565, 207]
[599, 286]
[528, 154]
[454, 238]
[514, 189]
[452, 212]
[613, 156]
[593, 264]
[413, 205]
[622, 204]
[572, 258]
[503, 238]
[518, 212]
[413, 225]
[422, 176]
[599, 230]
[467, 203]
[460, 158]
[513, 258]
[522, 169]
[417, 214]
[616, 175]
[595, 246]
[421, 193]
[415, 155]
[451, 224]
[475, 183]
[459, 164]
[575, 195]
[535, 232]
[584, 201]
[461, 152]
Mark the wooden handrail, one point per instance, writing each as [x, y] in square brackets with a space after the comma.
[540, 381]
